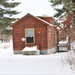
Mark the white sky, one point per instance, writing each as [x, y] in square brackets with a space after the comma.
[35, 7]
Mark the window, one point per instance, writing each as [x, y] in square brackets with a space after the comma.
[29, 35]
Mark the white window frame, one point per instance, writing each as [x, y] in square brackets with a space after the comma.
[33, 35]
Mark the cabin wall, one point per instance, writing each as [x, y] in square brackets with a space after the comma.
[51, 39]
[40, 31]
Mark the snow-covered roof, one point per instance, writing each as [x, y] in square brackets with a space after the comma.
[63, 42]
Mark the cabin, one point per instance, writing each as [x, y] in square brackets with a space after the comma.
[37, 31]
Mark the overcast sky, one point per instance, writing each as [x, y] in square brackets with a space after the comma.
[35, 7]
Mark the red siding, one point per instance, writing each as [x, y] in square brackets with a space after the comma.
[43, 39]
[40, 30]
[51, 37]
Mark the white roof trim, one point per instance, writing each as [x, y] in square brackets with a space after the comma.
[44, 21]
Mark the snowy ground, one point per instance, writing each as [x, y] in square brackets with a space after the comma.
[33, 64]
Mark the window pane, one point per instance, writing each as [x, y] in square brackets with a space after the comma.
[29, 33]
[29, 39]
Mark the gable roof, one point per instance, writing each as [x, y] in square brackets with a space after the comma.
[33, 17]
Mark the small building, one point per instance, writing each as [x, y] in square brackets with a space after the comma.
[37, 31]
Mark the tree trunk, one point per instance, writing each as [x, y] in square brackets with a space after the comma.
[68, 44]
[58, 41]
[1, 35]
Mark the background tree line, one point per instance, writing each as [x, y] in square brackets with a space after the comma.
[65, 12]
[6, 13]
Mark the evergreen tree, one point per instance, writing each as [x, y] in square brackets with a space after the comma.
[67, 7]
[6, 13]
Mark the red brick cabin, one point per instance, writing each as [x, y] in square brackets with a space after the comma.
[35, 31]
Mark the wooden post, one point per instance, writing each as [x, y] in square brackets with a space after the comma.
[58, 41]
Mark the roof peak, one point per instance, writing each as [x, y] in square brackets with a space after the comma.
[40, 19]
[34, 17]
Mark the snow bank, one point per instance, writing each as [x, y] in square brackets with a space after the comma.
[30, 51]
[40, 64]
[30, 48]
[73, 45]
[4, 45]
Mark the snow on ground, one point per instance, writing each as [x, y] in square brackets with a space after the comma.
[34, 48]
[33, 64]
